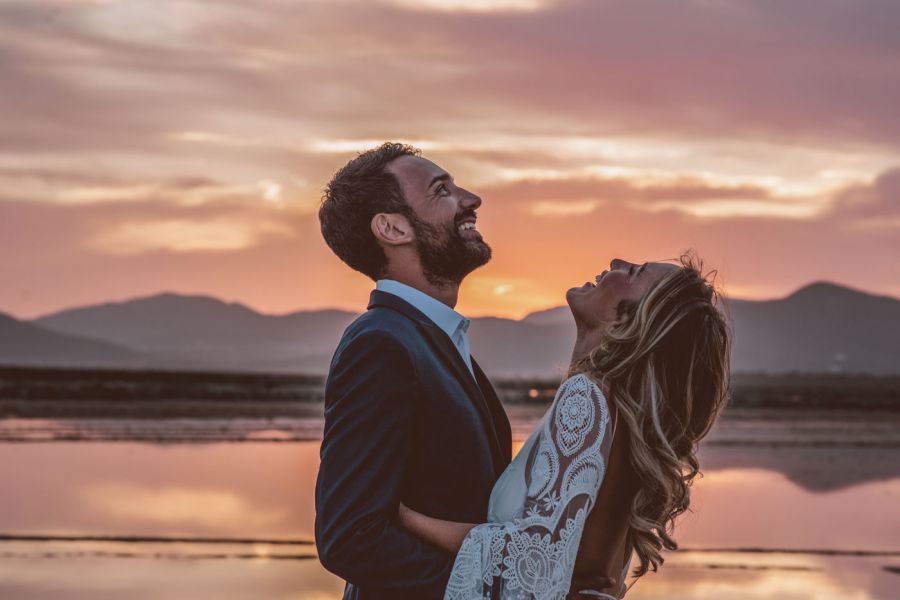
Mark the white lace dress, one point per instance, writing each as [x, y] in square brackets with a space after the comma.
[539, 505]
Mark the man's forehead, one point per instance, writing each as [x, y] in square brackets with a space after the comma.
[415, 169]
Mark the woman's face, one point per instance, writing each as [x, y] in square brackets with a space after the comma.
[594, 304]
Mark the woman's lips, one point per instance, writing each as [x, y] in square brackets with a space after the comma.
[596, 282]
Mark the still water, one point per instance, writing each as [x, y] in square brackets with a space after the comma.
[226, 520]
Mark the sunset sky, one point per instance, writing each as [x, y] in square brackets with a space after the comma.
[150, 146]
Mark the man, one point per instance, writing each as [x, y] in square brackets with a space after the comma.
[409, 415]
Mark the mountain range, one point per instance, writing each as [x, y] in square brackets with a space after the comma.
[821, 327]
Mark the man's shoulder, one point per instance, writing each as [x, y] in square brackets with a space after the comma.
[379, 335]
[382, 323]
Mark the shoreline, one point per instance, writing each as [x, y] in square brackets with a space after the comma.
[51, 393]
[763, 428]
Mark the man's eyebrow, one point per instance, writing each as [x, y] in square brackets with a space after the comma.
[442, 177]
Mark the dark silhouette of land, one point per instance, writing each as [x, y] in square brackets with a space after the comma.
[821, 328]
[28, 392]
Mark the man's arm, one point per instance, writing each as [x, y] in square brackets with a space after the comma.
[369, 415]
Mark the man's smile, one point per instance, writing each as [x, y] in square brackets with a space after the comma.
[468, 224]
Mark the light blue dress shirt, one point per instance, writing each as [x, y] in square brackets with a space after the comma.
[448, 320]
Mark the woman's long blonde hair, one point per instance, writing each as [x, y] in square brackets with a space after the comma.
[666, 368]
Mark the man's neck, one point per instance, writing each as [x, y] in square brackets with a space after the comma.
[448, 294]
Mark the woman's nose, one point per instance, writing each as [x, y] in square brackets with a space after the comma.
[618, 263]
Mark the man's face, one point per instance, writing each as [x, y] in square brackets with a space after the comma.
[449, 245]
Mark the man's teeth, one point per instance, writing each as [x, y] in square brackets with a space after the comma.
[466, 226]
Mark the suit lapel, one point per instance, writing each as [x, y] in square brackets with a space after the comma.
[451, 357]
[444, 348]
[501, 421]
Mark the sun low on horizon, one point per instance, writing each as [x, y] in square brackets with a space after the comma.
[183, 146]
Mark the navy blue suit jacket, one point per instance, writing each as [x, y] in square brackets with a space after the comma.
[404, 421]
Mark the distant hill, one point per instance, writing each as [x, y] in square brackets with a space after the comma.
[822, 327]
[192, 332]
[559, 315]
[24, 343]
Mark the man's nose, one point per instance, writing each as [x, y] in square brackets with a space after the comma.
[469, 201]
[618, 263]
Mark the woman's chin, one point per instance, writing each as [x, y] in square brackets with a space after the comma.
[572, 298]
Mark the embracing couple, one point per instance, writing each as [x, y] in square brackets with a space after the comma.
[417, 495]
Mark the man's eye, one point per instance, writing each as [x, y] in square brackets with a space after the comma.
[631, 270]
[442, 188]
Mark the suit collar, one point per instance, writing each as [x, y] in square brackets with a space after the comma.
[379, 298]
[442, 315]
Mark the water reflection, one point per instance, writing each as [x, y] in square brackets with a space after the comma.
[816, 579]
[174, 506]
[150, 578]
[757, 508]
[223, 490]
[263, 490]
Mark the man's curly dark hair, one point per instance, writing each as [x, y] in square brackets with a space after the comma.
[358, 191]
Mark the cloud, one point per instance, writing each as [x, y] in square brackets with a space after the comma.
[539, 256]
[570, 194]
[53, 260]
[260, 92]
[566, 194]
[77, 188]
[549, 208]
[183, 145]
[130, 219]
[875, 201]
[181, 235]
[799, 72]
[477, 6]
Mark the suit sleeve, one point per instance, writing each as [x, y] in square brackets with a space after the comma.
[370, 403]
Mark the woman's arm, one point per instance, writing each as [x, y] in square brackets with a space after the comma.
[446, 535]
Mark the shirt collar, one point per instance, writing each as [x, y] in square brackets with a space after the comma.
[447, 319]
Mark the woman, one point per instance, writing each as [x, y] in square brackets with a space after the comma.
[609, 467]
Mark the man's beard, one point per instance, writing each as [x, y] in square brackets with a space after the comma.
[447, 259]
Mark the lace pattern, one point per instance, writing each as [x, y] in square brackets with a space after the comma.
[533, 556]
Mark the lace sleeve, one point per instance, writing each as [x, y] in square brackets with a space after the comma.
[533, 556]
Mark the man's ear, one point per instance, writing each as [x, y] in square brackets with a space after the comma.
[392, 229]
